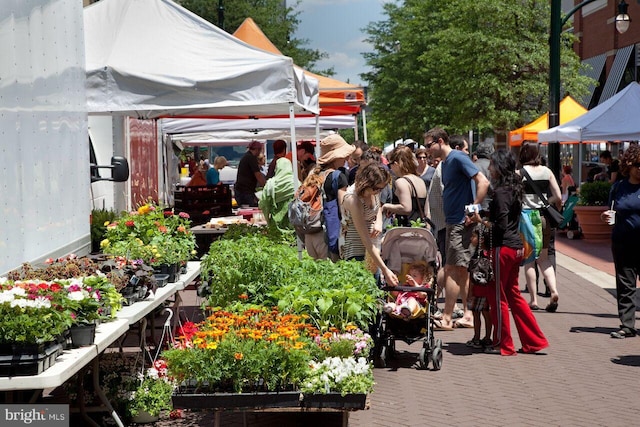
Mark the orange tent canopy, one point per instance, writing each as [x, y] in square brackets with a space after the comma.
[336, 97]
[569, 110]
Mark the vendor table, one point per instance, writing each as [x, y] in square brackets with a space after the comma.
[75, 360]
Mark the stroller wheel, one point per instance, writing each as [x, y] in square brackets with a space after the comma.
[423, 359]
[436, 356]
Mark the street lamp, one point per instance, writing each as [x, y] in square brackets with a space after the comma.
[557, 22]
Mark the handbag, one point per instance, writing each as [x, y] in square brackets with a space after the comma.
[549, 211]
[481, 265]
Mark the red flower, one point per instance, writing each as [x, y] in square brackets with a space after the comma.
[129, 223]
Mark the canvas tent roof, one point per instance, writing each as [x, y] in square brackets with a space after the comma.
[336, 97]
[154, 58]
[616, 119]
[175, 126]
[569, 110]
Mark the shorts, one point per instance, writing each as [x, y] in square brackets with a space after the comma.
[459, 247]
[478, 304]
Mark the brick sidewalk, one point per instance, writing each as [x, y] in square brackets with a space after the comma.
[579, 381]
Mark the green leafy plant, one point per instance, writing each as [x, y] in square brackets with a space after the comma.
[263, 272]
[100, 218]
[594, 193]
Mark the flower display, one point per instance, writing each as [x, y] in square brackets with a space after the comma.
[339, 375]
[151, 234]
[258, 349]
[32, 312]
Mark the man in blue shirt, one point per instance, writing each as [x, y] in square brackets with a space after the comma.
[458, 172]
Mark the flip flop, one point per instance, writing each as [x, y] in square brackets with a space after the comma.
[534, 307]
[460, 324]
[438, 326]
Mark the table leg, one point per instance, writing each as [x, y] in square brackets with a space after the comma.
[81, 407]
[100, 392]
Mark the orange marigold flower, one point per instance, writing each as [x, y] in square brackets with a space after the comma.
[238, 356]
[243, 296]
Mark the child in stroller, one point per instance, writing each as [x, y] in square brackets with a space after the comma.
[412, 254]
[410, 305]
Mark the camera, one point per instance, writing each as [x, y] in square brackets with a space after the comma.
[471, 209]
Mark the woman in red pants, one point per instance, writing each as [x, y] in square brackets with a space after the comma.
[503, 221]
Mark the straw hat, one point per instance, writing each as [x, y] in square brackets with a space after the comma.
[334, 147]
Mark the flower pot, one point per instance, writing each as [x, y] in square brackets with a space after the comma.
[170, 269]
[143, 417]
[83, 335]
[592, 226]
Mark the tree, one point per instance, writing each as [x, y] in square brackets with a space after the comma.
[274, 19]
[463, 65]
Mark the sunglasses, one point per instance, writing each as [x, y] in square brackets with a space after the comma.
[636, 165]
[422, 157]
[429, 144]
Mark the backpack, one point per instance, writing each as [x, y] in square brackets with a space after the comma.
[305, 210]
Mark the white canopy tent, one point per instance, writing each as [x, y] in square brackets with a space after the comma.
[616, 119]
[173, 126]
[154, 58]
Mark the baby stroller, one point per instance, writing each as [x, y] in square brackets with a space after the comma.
[401, 247]
[570, 223]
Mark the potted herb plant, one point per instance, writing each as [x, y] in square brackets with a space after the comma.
[593, 199]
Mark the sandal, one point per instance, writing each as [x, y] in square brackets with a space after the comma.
[623, 333]
[534, 307]
[553, 306]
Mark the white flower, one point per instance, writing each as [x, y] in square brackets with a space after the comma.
[18, 291]
[6, 296]
[76, 296]
[41, 302]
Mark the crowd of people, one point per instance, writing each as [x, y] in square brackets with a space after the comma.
[366, 191]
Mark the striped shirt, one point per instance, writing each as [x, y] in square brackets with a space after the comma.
[353, 246]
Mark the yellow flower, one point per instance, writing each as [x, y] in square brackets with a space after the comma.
[238, 356]
[107, 223]
[143, 209]
[105, 243]
[212, 345]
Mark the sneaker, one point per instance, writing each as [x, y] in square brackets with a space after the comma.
[457, 314]
[474, 344]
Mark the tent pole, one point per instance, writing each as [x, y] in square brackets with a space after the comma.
[355, 128]
[364, 125]
[580, 163]
[317, 147]
[294, 161]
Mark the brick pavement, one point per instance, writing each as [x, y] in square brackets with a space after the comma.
[578, 381]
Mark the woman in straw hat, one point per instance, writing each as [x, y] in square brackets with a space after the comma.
[334, 150]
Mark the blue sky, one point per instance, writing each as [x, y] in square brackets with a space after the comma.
[335, 27]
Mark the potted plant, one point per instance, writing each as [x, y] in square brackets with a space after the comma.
[100, 218]
[152, 395]
[156, 236]
[593, 199]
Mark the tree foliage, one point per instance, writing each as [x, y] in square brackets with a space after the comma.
[276, 21]
[460, 64]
